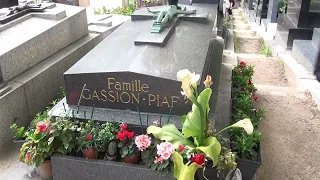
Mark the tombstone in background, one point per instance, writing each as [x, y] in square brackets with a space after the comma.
[298, 23]
[270, 23]
[8, 3]
[306, 51]
[260, 10]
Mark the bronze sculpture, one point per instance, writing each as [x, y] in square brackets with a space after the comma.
[165, 15]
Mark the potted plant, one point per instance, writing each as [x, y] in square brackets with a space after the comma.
[19, 135]
[48, 137]
[197, 138]
[87, 141]
[106, 143]
[243, 105]
[127, 148]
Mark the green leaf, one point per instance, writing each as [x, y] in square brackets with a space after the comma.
[120, 144]
[211, 148]
[170, 133]
[145, 154]
[183, 119]
[192, 124]
[182, 171]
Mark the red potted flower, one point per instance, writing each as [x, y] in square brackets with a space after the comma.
[88, 140]
[127, 147]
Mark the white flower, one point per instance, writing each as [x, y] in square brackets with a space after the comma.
[245, 124]
[188, 79]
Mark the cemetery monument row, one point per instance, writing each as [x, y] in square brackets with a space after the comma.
[135, 69]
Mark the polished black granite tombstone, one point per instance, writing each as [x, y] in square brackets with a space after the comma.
[260, 10]
[298, 22]
[117, 74]
[8, 3]
[272, 14]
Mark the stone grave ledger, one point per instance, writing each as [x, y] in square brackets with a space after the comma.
[122, 74]
[126, 90]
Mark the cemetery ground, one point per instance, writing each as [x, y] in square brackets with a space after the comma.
[291, 122]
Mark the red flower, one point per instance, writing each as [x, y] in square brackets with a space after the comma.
[89, 137]
[242, 64]
[239, 71]
[255, 98]
[42, 126]
[243, 89]
[198, 159]
[27, 156]
[181, 148]
[130, 134]
[249, 82]
[123, 126]
[121, 136]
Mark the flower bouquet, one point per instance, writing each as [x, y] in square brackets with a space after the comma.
[196, 145]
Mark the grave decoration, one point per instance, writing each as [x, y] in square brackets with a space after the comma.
[164, 148]
[166, 14]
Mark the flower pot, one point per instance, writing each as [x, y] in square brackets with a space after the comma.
[134, 160]
[111, 158]
[249, 168]
[90, 153]
[18, 143]
[45, 170]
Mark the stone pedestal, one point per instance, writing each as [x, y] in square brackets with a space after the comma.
[298, 23]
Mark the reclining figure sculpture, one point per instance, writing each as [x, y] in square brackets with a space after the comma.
[165, 15]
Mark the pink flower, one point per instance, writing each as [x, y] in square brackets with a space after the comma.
[156, 122]
[158, 160]
[42, 126]
[165, 149]
[181, 148]
[143, 142]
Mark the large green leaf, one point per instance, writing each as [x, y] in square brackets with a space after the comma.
[193, 121]
[211, 148]
[182, 171]
[170, 133]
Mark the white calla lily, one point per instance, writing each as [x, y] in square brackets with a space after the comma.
[188, 79]
[245, 124]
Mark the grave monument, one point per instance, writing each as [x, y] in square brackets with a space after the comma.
[298, 23]
[131, 77]
[270, 23]
[33, 58]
